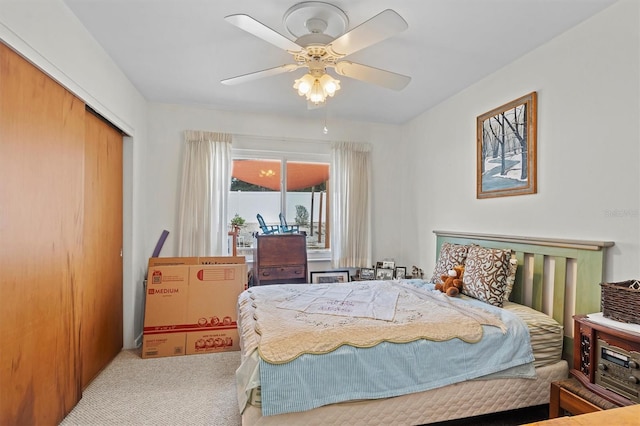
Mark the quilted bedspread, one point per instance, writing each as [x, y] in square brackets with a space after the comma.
[301, 360]
[296, 320]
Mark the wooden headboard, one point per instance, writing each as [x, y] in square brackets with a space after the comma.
[558, 277]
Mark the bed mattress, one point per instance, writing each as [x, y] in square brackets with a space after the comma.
[546, 334]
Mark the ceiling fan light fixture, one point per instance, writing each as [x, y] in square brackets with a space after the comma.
[329, 84]
[303, 85]
[317, 94]
[316, 89]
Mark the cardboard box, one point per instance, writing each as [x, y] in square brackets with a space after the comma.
[212, 307]
[171, 261]
[202, 260]
[190, 305]
[166, 296]
[221, 260]
[204, 342]
[165, 311]
[163, 344]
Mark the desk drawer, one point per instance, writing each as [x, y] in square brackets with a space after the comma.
[282, 272]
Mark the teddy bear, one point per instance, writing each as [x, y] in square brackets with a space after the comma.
[452, 282]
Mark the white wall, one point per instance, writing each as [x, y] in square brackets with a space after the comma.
[588, 88]
[46, 33]
[168, 122]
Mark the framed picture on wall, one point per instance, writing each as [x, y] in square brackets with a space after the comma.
[401, 272]
[506, 149]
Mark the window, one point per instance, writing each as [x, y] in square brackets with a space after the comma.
[256, 188]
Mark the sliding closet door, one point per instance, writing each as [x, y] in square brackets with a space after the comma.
[41, 225]
[102, 277]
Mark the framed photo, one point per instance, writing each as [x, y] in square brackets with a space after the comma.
[390, 264]
[506, 149]
[367, 274]
[378, 265]
[384, 274]
[323, 277]
[401, 272]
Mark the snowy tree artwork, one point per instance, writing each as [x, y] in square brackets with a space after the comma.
[506, 144]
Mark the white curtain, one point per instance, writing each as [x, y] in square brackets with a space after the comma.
[350, 189]
[206, 176]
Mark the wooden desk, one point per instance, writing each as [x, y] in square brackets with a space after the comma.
[624, 416]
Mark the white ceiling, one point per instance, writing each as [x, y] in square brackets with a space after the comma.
[177, 51]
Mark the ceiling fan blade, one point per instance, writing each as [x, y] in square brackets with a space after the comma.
[259, 74]
[382, 26]
[388, 79]
[258, 29]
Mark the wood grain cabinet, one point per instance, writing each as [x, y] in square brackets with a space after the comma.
[607, 361]
[280, 259]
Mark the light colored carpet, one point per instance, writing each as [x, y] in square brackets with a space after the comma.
[188, 390]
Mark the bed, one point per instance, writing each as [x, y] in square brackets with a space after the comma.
[544, 277]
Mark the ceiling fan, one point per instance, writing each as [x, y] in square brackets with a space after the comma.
[320, 44]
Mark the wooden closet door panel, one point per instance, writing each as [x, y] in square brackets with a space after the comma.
[41, 214]
[101, 338]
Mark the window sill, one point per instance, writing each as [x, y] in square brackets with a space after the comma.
[318, 255]
[312, 256]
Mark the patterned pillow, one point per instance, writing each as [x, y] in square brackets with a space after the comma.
[485, 274]
[511, 278]
[450, 256]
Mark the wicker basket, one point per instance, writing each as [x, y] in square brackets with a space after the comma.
[621, 301]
